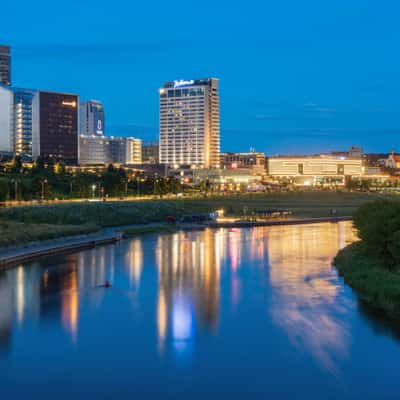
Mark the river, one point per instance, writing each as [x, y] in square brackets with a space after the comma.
[230, 313]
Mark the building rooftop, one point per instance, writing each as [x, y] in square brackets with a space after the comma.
[320, 156]
[180, 83]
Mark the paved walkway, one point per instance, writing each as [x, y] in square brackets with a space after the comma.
[12, 255]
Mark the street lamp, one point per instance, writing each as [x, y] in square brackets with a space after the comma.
[15, 181]
[93, 190]
[43, 182]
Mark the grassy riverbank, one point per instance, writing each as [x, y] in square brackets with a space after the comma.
[367, 275]
[75, 218]
[14, 233]
[120, 213]
[372, 265]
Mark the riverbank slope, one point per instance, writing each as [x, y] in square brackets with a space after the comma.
[371, 266]
[24, 224]
[367, 275]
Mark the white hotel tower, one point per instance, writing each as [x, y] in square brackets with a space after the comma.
[189, 123]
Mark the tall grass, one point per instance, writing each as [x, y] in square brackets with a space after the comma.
[12, 233]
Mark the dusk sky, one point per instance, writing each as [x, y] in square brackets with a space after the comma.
[295, 76]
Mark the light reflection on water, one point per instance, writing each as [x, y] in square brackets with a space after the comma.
[305, 291]
[267, 299]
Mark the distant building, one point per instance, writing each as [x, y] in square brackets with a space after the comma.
[58, 126]
[228, 179]
[6, 120]
[37, 123]
[355, 152]
[312, 169]
[150, 153]
[190, 123]
[252, 160]
[372, 170]
[109, 150]
[393, 161]
[26, 123]
[133, 154]
[5, 65]
[92, 119]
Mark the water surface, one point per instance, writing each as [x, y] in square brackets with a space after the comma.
[237, 314]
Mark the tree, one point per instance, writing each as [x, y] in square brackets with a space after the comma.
[16, 166]
[378, 226]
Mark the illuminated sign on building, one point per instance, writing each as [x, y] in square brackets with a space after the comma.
[99, 130]
[69, 103]
[183, 83]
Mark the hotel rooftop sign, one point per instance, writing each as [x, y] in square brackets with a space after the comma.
[181, 83]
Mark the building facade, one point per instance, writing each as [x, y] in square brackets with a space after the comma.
[6, 120]
[5, 65]
[228, 179]
[393, 161]
[190, 123]
[26, 123]
[58, 124]
[311, 169]
[150, 153]
[92, 119]
[133, 153]
[252, 160]
[104, 150]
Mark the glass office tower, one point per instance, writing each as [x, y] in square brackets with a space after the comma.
[92, 118]
[26, 122]
[190, 123]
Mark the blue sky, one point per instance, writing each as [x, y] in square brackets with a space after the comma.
[295, 76]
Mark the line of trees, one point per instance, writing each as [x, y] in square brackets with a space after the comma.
[47, 179]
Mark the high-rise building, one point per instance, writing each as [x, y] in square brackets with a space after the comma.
[58, 124]
[26, 123]
[5, 65]
[6, 120]
[190, 123]
[92, 118]
[35, 123]
[109, 150]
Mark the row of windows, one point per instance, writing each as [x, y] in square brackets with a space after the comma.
[182, 92]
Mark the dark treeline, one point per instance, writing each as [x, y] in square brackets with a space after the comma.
[46, 180]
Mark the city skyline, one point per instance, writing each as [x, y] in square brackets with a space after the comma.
[330, 85]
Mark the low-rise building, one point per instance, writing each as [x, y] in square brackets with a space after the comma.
[105, 150]
[393, 161]
[228, 179]
[150, 153]
[252, 160]
[314, 169]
